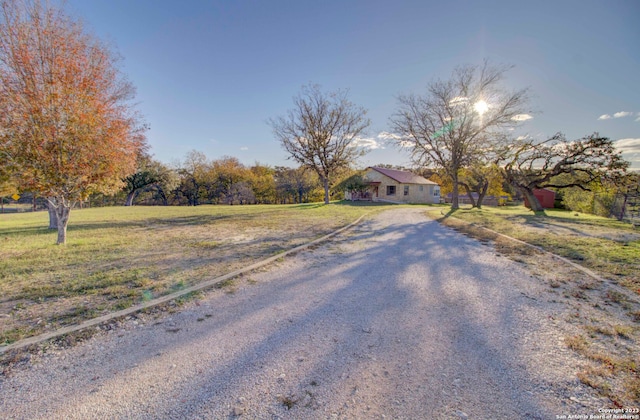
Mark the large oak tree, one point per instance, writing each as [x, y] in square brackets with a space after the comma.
[67, 124]
[321, 132]
[528, 164]
[151, 175]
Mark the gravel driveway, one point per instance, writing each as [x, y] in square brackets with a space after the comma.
[398, 318]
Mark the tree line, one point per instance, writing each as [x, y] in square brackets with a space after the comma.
[199, 180]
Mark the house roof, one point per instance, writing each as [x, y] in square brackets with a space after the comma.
[403, 177]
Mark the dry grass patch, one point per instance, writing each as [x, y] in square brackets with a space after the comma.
[612, 376]
[576, 342]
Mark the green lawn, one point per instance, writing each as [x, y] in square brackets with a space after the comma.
[118, 256]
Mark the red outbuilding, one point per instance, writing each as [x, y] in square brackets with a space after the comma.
[544, 196]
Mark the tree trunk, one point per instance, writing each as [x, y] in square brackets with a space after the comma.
[53, 218]
[534, 203]
[470, 195]
[130, 197]
[454, 195]
[482, 194]
[325, 182]
[624, 208]
[163, 197]
[62, 209]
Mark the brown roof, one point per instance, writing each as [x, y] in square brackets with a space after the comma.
[403, 177]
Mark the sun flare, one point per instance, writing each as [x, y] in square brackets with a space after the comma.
[481, 107]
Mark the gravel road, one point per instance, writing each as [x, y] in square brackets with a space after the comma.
[398, 318]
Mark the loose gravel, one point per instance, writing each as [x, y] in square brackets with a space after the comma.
[398, 318]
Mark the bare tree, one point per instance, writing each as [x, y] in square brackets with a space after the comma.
[528, 164]
[241, 193]
[320, 132]
[456, 120]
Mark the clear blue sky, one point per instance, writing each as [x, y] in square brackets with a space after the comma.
[209, 74]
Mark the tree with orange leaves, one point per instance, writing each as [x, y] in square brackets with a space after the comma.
[67, 126]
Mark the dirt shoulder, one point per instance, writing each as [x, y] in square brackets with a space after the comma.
[600, 320]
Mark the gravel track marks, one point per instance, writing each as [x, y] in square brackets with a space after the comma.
[400, 317]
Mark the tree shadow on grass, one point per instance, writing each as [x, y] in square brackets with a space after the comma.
[151, 223]
[450, 213]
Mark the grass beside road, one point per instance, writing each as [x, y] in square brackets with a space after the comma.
[119, 256]
[606, 246]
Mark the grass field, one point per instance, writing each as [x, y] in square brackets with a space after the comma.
[118, 256]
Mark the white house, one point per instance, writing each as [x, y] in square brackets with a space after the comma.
[397, 187]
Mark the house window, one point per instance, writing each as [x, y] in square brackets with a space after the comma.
[436, 192]
[391, 190]
[406, 190]
[421, 188]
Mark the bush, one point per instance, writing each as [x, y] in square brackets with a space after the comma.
[589, 202]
